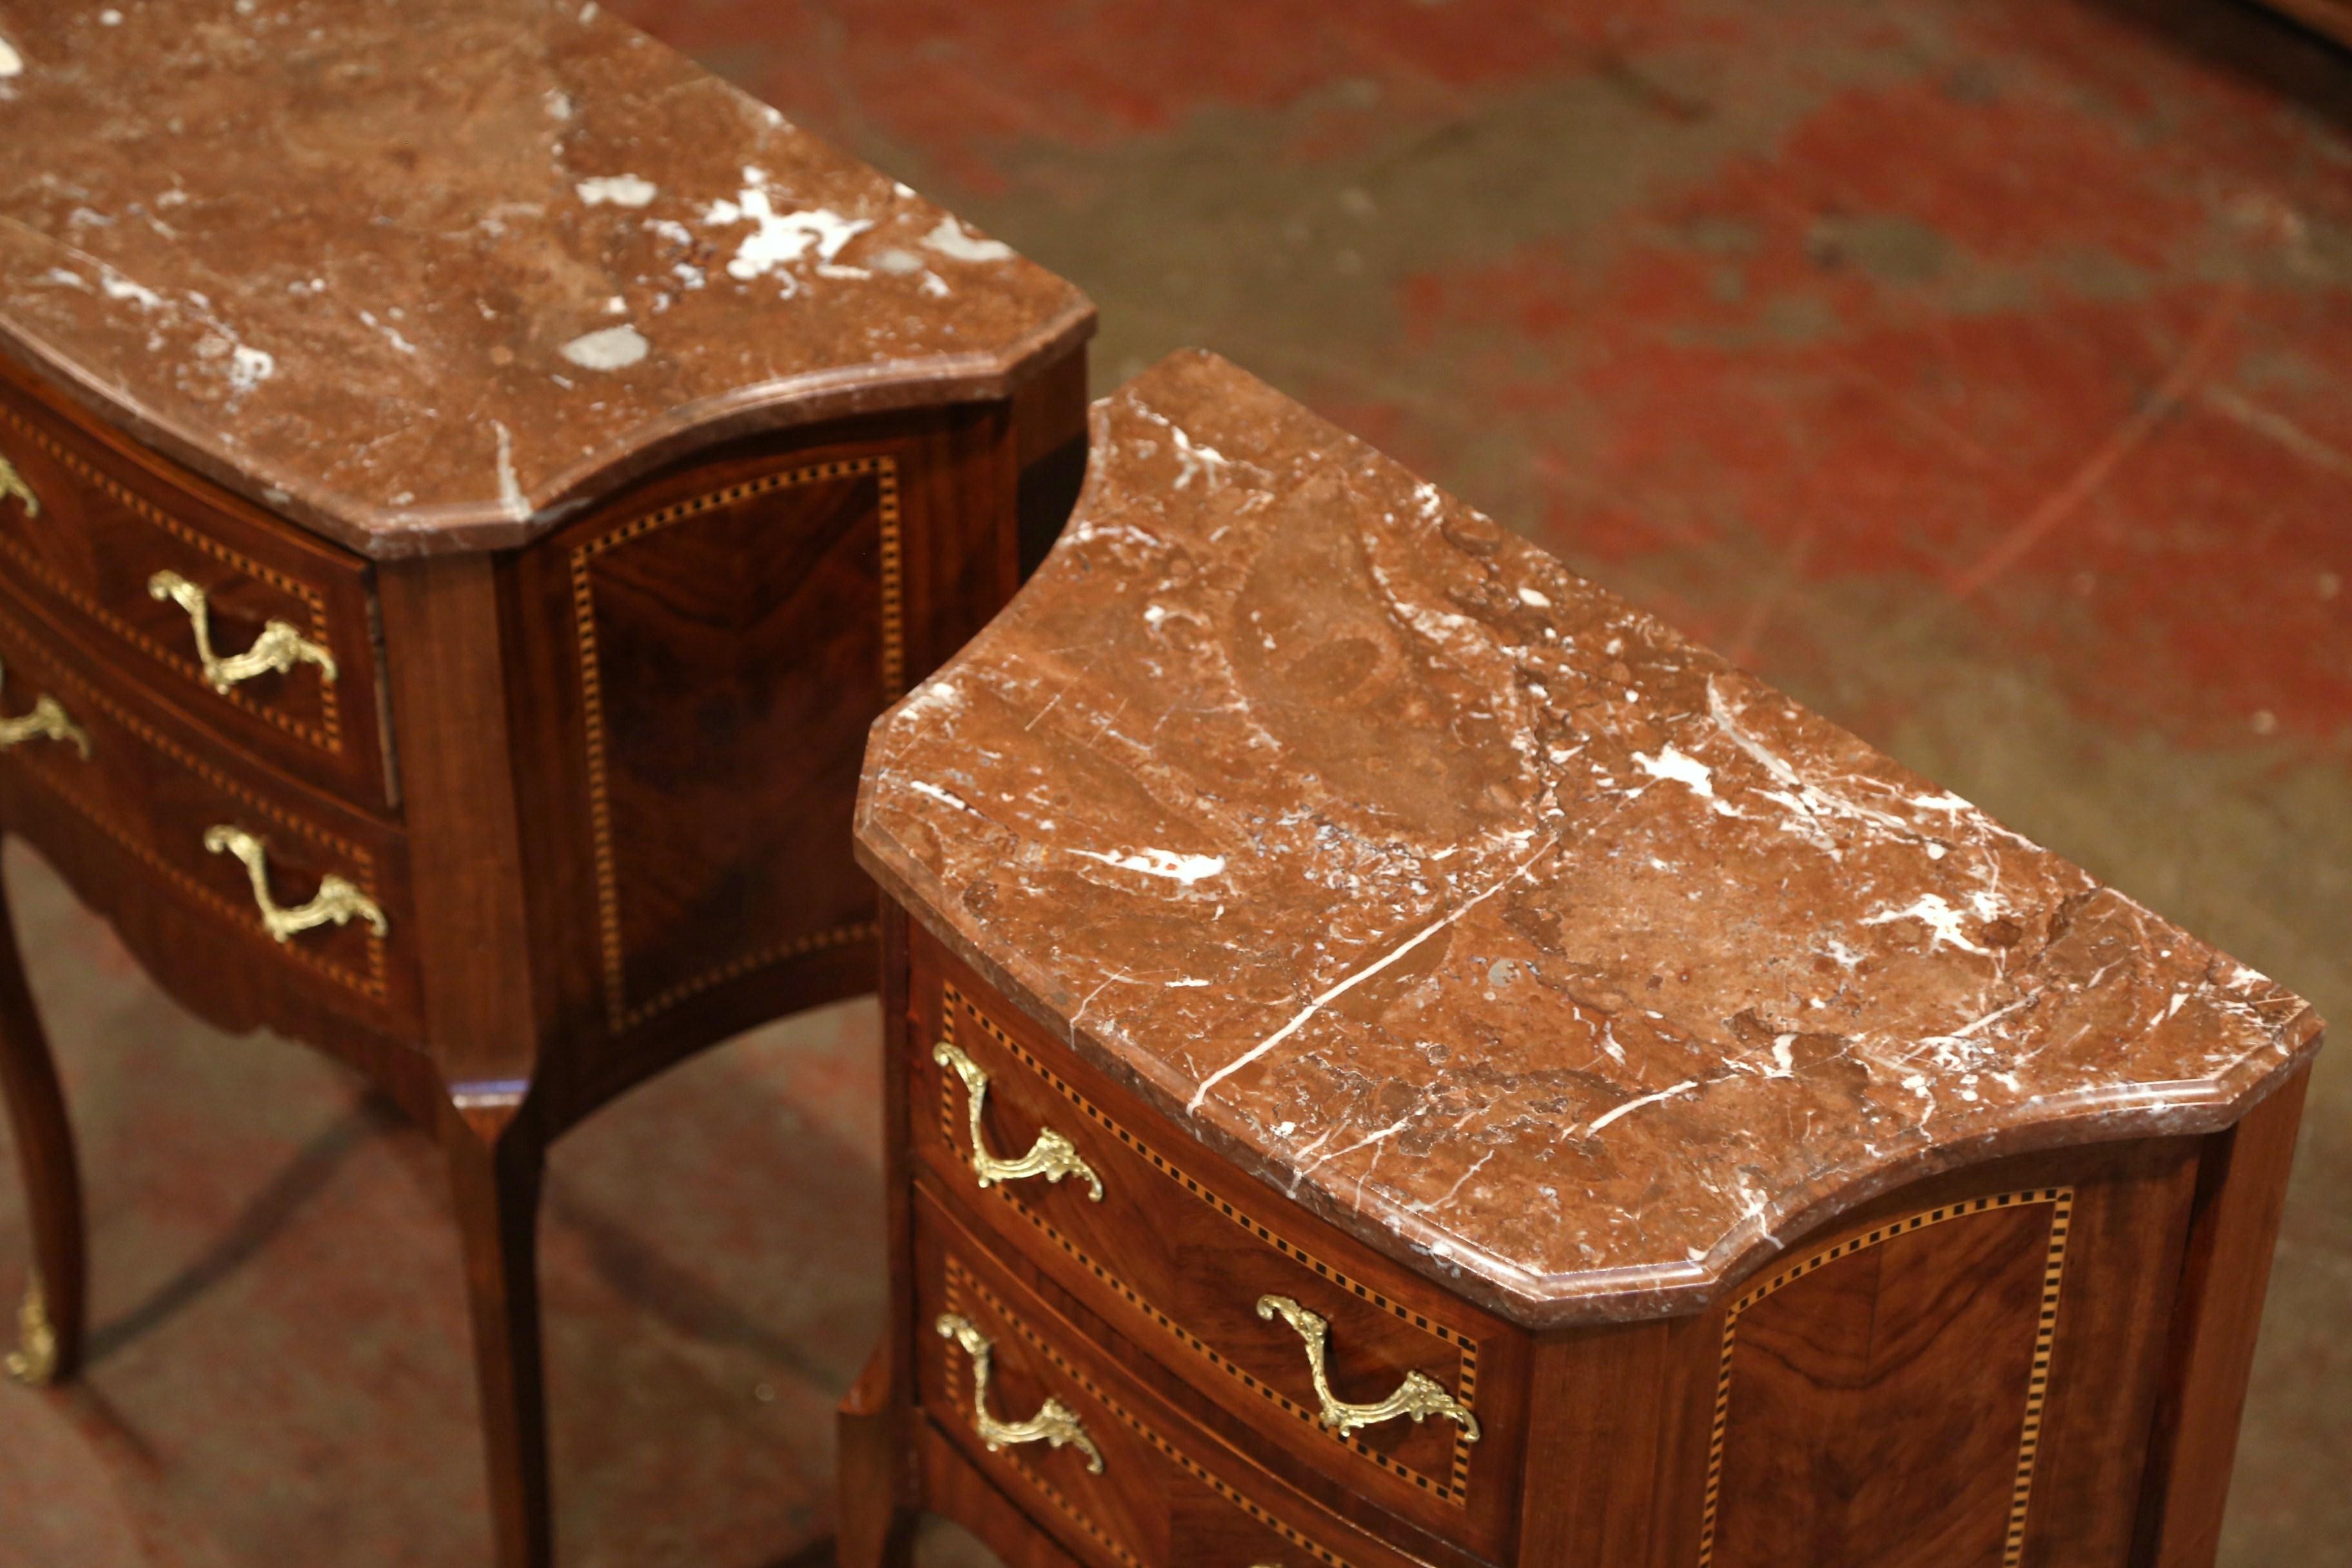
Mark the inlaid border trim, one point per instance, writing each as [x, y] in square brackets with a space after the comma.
[327, 735]
[2037, 1385]
[360, 863]
[620, 1013]
[959, 1279]
[1454, 1489]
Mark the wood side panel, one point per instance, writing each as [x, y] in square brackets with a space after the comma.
[1876, 1403]
[733, 647]
[1049, 413]
[696, 664]
[1180, 1248]
[1597, 1413]
[2123, 1262]
[450, 697]
[1694, 1363]
[962, 557]
[2128, 1218]
[2209, 1353]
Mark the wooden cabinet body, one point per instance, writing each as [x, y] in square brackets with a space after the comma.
[1147, 1313]
[471, 682]
[1990, 1366]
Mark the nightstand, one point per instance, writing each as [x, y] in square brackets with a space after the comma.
[1396, 1056]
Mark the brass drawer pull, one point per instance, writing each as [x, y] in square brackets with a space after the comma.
[1052, 1424]
[1419, 1398]
[277, 649]
[338, 902]
[49, 721]
[11, 483]
[1052, 1156]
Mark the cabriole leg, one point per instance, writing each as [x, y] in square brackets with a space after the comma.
[49, 1318]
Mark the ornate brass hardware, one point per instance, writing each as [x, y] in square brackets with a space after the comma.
[49, 721]
[34, 1361]
[1419, 1398]
[1052, 1156]
[11, 483]
[1052, 1424]
[338, 902]
[277, 649]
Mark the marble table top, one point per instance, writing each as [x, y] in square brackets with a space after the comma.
[1485, 914]
[418, 275]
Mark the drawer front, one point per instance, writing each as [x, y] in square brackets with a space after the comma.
[216, 836]
[1131, 1484]
[1217, 1276]
[248, 628]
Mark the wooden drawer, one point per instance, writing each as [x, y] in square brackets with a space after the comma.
[1180, 1251]
[90, 522]
[1164, 1492]
[138, 777]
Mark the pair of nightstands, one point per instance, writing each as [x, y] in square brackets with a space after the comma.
[1395, 1058]
[456, 529]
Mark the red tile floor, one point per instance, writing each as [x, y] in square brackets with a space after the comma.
[1979, 370]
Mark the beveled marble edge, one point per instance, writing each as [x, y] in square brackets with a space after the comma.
[1593, 1296]
[394, 533]
[1585, 1297]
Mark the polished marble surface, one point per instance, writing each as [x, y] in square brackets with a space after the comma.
[421, 275]
[1483, 911]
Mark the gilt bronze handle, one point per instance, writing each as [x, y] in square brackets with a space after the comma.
[11, 483]
[1420, 1396]
[338, 902]
[1053, 1156]
[49, 721]
[1052, 1424]
[277, 649]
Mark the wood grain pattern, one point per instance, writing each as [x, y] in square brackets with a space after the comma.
[763, 620]
[1968, 1369]
[2240, 1195]
[1889, 1389]
[735, 669]
[153, 786]
[1168, 1492]
[1177, 1254]
[112, 516]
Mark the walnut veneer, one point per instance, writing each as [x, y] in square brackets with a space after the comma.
[1395, 1056]
[455, 532]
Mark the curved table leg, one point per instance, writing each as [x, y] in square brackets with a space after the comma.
[496, 1175]
[49, 1321]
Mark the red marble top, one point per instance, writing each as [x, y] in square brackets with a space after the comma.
[414, 274]
[1485, 914]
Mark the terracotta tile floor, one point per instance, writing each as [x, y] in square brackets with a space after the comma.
[1979, 370]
